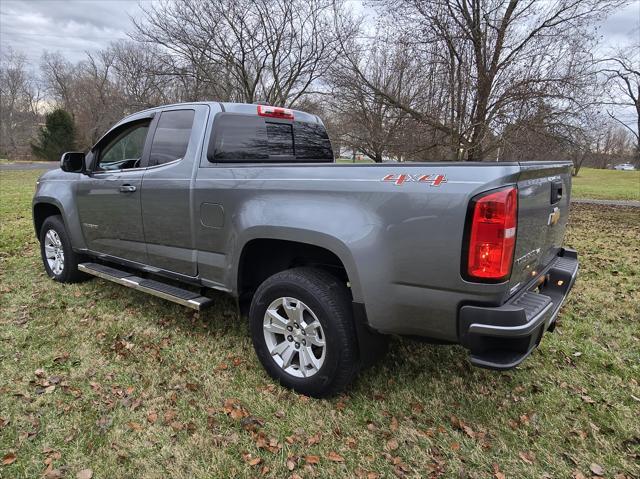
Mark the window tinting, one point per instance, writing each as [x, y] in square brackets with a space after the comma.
[125, 150]
[250, 138]
[312, 142]
[280, 139]
[240, 138]
[171, 138]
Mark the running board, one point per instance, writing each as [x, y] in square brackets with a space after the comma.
[156, 288]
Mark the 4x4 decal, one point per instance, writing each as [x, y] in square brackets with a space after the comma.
[433, 180]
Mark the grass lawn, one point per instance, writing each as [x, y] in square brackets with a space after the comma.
[350, 161]
[607, 184]
[96, 376]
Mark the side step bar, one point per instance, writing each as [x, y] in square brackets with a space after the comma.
[162, 290]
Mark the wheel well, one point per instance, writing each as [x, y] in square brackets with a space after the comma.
[41, 212]
[262, 258]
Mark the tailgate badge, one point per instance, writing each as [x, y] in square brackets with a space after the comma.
[554, 216]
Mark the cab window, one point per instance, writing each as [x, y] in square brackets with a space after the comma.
[171, 138]
[125, 150]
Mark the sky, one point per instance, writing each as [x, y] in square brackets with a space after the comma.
[75, 26]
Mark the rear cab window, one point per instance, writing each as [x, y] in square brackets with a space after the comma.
[171, 138]
[247, 138]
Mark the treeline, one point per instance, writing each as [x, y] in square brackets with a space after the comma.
[479, 80]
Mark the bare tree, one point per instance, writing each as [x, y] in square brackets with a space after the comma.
[88, 91]
[20, 105]
[622, 74]
[490, 57]
[138, 72]
[367, 122]
[264, 50]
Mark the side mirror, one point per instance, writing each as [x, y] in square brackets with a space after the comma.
[72, 162]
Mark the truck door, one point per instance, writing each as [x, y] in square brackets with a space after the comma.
[108, 199]
[167, 212]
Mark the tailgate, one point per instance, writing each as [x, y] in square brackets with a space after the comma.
[543, 211]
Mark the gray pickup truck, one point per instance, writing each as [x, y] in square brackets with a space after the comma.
[326, 259]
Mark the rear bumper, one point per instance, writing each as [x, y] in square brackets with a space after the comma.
[502, 337]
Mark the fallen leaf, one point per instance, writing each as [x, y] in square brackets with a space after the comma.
[469, 432]
[597, 469]
[587, 399]
[84, 474]
[394, 424]
[496, 472]
[526, 457]
[455, 446]
[392, 445]
[250, 459]
[233, 408]
[577, 475]
[53, 474]
[251, 423]
[169, 416]
[9, 459]
[312, 459]
[135, 426]
[335, 457]
[152, 417]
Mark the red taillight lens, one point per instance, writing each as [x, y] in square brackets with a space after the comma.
[275, 112]
[493, 235]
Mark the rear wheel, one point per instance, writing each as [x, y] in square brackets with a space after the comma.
[303, 331]
[59, 259]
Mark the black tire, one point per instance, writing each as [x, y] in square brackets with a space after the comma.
[330, 301]
[69, 273]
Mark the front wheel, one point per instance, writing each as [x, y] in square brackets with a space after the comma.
[303, 331]
[59, 259]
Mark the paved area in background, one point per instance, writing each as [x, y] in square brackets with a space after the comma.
[633, 203]
[50, 165]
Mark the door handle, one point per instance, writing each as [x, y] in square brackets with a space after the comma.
[127, 189]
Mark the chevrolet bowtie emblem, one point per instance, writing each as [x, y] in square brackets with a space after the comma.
[554, 216]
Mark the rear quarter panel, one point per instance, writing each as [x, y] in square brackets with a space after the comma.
[401, 244]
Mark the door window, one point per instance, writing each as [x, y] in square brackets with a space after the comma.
[125, 150]
[171, 139]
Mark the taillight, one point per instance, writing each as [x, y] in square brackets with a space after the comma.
[275, 112]
[492, 236]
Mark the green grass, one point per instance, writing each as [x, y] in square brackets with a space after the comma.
[98, 376]
[606, 184]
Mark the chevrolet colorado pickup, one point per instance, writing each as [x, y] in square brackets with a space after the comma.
[327, 259]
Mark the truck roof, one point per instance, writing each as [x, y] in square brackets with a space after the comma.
[243, 108]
